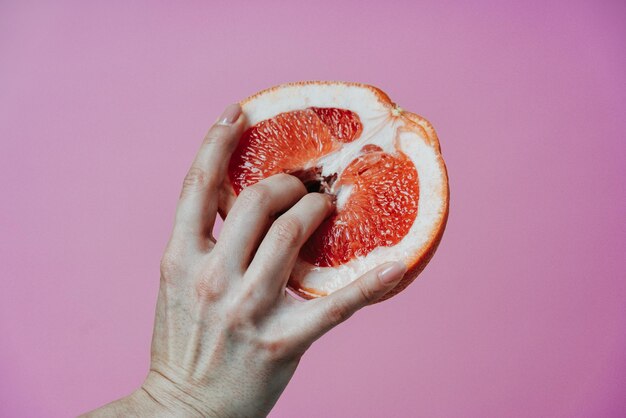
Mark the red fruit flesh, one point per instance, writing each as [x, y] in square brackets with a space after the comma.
[379, 212]
[343, 124]
[289, 142]
[383, 188]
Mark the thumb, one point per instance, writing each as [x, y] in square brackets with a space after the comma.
[329, 311]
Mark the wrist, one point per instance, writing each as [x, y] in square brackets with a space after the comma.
[137, 404]
[173, 398]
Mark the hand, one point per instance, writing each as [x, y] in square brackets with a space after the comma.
[227, 336]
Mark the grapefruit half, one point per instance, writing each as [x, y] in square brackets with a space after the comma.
[382, 163]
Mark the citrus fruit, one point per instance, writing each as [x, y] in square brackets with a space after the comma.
[382, 163]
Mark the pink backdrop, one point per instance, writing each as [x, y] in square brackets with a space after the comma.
[522, 312]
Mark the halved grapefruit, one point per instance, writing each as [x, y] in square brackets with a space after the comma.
[382, 163]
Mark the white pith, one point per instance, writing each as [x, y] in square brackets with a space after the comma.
[343, 194]
[383, 125]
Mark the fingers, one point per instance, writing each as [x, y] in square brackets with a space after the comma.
[277, 254]
[253, 211]
[329, 311]
[197, 207]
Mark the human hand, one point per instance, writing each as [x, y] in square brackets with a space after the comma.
[227, 336]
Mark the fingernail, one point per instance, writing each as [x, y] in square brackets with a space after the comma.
[392, 273]
[230, 115]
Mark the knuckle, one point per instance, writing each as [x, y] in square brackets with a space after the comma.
[249, 301]
[232, 321]
[367, 295]
[249, 295]
[171, 266]
[275, 349]
[256, 195]
[336, 313]
[208, 290]
[235, 321]
[288, 230]
[196, 179]
[210, 285]
[217, 135]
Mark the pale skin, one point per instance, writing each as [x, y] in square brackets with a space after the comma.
[227, 336]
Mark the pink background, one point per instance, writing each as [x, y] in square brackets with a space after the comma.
[522, 312]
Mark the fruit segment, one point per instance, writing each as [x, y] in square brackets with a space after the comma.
[379, 211]
[377, 192]
[344, 125]
[289, 142]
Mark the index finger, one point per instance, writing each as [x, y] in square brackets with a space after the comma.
[197, 207]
